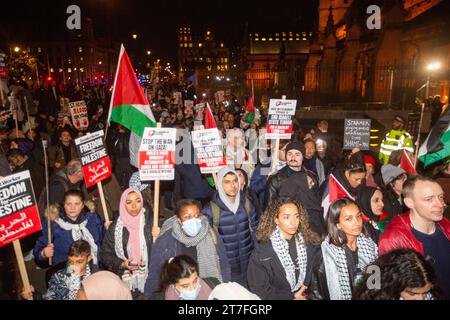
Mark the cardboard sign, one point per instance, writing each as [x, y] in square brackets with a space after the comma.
[357, 134]
[94, 158]
[199, 109]
[279, 122]
[78, 110]
[157, 154]
[188, 107]
[19, 215]
[208, 149]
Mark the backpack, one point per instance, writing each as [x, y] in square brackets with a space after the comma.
[216, 214]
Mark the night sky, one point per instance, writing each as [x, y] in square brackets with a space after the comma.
[156, 22]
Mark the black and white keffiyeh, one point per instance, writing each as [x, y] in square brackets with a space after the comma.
[80, 231]
[281, 248]
[137, 279]
[74, 282]
[336, 268]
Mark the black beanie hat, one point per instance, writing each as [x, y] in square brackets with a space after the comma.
[296, 145]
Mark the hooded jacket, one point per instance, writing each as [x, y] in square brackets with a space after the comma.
[234, 229]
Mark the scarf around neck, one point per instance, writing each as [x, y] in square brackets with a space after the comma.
[281, 248]
[207, 257]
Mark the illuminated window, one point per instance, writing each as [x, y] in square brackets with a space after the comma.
[209, 68]
[256, 39]
[190, 45]
[221, 45]
[80, 49]
[270, 39]
[297, 35]
[256, 34]
[185, 45]
[298, 39]
[185, 38]
[60, 70]
[208, 60]
[218, 67]
[277, 34]
[181, 45]
[39, 50]
[226, 67]
[277, 39]
[81, 69]
[290, 39]
[284, 34]
[201, 59]
[263, 39]
[69, 61]
[303, 38]
[284, 39]
[52, 70]
[69, 70]
[81, 58]
[225, 59]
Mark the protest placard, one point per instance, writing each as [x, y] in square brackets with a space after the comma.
[208, 149]
[279, 122]
[157, 154]
[19, 215]
[94, 158]
[199, 109]
[219, 96]
[357, 134]
[78, 110]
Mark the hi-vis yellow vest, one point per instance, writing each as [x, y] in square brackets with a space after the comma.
[395, 140]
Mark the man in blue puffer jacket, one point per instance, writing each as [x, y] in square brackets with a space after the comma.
[234, 218]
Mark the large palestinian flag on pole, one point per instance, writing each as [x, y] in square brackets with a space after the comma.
[129, 106]
[437, 145]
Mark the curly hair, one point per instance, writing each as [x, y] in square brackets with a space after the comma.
[399, 269]
[267, 223]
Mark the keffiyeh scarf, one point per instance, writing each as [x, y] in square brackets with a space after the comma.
[281, 248]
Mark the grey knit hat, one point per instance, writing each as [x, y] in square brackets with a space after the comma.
[389, 172]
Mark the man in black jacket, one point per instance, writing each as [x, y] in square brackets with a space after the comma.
[21, 162]
[296, 182]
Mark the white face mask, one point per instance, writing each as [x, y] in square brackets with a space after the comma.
[190, 295]
[192, 226]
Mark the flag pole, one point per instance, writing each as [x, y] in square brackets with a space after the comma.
[156, 198]
[122, 50]
[47, 199]
[418, 136]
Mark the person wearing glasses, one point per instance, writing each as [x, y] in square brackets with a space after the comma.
[424, 228]
[393, 178]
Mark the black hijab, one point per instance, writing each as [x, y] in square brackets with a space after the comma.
[363, 199]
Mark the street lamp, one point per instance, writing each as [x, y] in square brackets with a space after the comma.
[134, 36]
[431, 67]
[16, 49]
[149, 52]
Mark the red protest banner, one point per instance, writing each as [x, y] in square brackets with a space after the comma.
[19, 215]
[94, 158]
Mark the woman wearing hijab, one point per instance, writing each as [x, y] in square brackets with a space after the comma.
[103, 285]
[370, 201]
[127, 244]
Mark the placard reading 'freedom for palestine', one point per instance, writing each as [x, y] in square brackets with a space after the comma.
[357, 134]
[94, 158]
[19, 215]
[208, 149]
[279, 123]
[157, 154]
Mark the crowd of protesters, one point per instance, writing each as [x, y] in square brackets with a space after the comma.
[261, 233]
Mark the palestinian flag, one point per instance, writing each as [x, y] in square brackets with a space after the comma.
[210, 122]
[407, 165]
[437, 145]
[334, 190]
[250, 108]
[129, 106]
